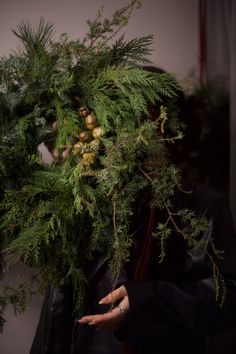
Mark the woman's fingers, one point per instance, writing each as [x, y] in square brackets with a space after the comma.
[94, 319]
[123, 306]
[108, 321]
[111, 320]
[113, 296]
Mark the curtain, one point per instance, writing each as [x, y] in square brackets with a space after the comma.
[221, 62]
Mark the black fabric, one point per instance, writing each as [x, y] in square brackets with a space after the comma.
[173, 310]
[185, 308]
[56, 323]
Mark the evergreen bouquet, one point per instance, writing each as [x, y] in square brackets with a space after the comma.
[88, 101]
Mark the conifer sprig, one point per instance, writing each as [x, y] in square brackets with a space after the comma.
[101, 31]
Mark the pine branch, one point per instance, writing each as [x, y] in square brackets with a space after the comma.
[34, 38]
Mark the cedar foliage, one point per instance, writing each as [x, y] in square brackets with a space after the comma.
[54, 218]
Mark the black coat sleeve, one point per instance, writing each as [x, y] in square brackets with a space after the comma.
[163, 310]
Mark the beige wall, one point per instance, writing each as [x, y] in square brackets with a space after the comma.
[174, 24]
[19, 330]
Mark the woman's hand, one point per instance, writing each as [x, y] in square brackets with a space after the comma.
[112, 320]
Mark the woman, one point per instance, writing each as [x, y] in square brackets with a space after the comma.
[160, 308]
[156, 307]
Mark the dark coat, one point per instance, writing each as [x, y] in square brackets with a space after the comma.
[172, 311]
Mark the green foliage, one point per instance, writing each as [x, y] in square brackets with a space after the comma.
[18, 297]
[56, 218]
